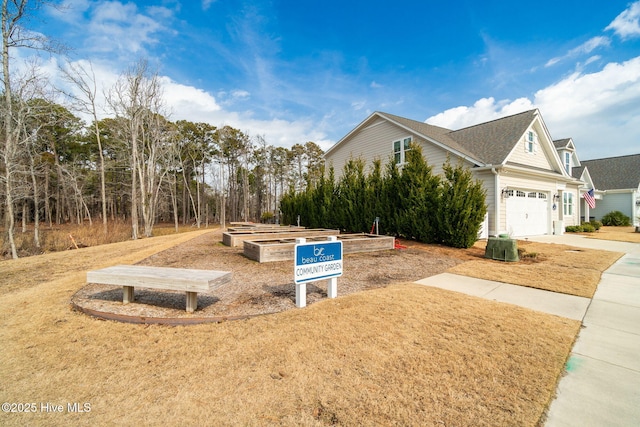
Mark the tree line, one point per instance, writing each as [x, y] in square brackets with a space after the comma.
[410, 202]
[136, 165]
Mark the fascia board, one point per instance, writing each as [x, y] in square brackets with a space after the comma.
[539, 173]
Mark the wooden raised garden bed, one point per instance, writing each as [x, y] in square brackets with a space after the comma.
[282, 249]
[236, 238]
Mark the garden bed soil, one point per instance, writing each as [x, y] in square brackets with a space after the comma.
[256, 288]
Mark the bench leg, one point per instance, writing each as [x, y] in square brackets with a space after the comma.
[192, 301]
[127, 294]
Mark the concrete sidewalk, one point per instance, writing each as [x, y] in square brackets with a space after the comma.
[602, 382]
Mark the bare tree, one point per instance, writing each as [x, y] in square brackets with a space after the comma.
[84, 80]
[137, 97]
[14, 35]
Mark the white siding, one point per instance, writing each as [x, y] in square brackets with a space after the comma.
[376, 142]
[488, 182]
[539, 158]
[372, 142]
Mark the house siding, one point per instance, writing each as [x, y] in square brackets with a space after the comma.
[373, 142]
[376, 142]
[539, 158]
[488, 183]
[622, 202]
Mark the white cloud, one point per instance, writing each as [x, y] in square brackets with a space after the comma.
[358, 105]
[483, 110]
[206, 4]
[240, 94]
[584, 49]
[626, 25]
[600, 110]
[119, 27]
[580, 95]
[186, 102]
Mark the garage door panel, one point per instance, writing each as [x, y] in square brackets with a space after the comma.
[527, 213]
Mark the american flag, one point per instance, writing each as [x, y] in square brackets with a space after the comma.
[590, 199]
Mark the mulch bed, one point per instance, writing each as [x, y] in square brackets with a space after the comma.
[256, 288]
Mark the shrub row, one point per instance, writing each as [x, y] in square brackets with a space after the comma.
[586, 227]
[412, 202]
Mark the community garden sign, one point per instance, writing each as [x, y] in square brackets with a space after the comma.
[316, 261]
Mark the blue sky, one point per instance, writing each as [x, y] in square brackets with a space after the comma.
[297, 71]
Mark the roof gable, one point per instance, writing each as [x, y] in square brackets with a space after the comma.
[493, 141]
[581, 173]
[615, 173]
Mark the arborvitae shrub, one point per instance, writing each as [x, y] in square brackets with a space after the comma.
[461, 207]
[410, 202]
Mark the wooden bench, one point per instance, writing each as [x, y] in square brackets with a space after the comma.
[175, 279]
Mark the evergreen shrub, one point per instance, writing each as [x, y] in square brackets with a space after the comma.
[410, 202]
[596, 224]
[616, 218]
[587, 227]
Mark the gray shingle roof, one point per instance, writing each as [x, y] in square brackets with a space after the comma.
[494, 140]
[615, 173]
[489, 142]
[561, 143]
[576, 172]
[436, 133]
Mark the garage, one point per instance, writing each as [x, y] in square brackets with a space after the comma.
[527, 213]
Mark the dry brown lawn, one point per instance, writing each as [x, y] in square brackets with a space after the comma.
[621, 234]
[400, 355]
[552, 267]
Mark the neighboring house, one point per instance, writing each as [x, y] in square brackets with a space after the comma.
[617, 180]
[528, 186]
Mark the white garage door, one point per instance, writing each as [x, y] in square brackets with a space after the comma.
[527, 213]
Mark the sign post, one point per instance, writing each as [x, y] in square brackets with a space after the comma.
[316, 261]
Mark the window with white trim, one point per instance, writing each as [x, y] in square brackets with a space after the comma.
[567, 204]
[400, 147]
[567, 162]
[530, 140]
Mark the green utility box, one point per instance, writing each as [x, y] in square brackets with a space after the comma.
[502, 249]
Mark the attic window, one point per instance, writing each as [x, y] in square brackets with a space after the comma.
[400, 147]
[530, 140]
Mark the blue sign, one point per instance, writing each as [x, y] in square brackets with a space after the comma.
[317, 261]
